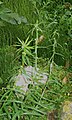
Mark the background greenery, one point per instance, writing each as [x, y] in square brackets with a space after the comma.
[51, 19]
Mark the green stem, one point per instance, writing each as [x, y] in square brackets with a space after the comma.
[52, 58]
[36, 46]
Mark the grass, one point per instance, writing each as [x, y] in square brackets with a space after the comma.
[40, 99]
[8, 65]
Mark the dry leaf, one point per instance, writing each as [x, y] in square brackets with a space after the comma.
[65, 80]
[41, 38]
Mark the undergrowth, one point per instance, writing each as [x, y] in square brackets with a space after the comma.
[47, 46]
[39, 100]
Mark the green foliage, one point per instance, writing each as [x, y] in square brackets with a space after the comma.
[9, 104]
[11, 32]
[53, 20]
[13, 18]
[56, 18]
[35, 32]
[8, 65]
[37, 102]
[24, 51]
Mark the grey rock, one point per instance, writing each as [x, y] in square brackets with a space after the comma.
[23, 80]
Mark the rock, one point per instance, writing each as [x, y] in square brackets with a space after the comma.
[23, 80]
[67, 111]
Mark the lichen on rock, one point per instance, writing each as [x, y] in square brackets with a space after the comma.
[67, 111]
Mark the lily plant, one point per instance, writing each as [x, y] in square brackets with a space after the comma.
[25, 50]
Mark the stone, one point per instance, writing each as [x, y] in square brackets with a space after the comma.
[23, 80]
[67, 111]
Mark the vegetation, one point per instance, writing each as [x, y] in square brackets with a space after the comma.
[35, 33]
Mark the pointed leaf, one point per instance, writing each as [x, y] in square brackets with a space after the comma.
[28, 60]
[7, 18]
[19, 40]
[27, 40]
[5, 10]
